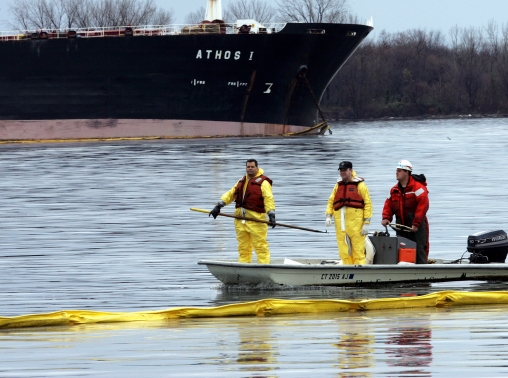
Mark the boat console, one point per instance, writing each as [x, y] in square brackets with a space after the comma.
[391, 250]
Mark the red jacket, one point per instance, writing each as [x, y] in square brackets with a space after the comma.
[253, 198]
[413, 199]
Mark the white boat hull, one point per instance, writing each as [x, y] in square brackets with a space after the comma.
[323, 272]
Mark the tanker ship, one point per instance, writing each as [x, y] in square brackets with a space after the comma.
[208, 80]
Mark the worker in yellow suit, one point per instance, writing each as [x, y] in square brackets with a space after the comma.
[351, 207]
[254, 199]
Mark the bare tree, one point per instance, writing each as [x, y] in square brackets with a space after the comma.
[196, 17]
[503, 60]
[73, 10]
[58, 14]
[55, 13]
[412, 51]
[491, 50]
[21, 15]
[37, 13]
[313, 10]
[352, 86]
[162, 17]
[250, 9]
[468, 62]
[123, 12]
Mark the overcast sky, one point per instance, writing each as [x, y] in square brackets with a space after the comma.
[390, 15]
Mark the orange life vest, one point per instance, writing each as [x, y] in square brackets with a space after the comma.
[347, 195]
[253, 198]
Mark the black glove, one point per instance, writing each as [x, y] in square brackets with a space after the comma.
[215, 211]
[271, 218]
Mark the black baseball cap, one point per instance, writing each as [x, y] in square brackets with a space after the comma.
[345, 165]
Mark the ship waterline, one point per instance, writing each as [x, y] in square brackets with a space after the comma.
[71, 129]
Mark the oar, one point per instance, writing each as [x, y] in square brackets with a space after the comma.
[259, 221]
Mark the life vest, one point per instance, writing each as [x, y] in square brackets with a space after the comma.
[347, 195]
[253, 198]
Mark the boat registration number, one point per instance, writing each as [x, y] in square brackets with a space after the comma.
[337, 276]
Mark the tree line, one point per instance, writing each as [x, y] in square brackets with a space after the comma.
[70, 14]
[66, 14]
[418, 73]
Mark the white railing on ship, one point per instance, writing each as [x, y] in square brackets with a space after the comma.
[144, 30]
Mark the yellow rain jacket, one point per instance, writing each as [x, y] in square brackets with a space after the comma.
[348, 225]
[252, 235]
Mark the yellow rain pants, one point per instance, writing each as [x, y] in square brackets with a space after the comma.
[348, 226]
[252, 235]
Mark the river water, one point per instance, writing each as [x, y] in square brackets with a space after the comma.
[107, 226]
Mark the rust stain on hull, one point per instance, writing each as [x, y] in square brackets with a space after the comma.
[102, 129]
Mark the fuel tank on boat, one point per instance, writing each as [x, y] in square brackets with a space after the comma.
[490, 244]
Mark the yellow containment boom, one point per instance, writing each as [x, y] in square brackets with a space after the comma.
[264, 307]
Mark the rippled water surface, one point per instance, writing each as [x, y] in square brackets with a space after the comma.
[107, 226]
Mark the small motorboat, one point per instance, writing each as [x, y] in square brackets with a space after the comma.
[392, 262]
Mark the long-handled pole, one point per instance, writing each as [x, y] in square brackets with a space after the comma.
[400, 227]
[259, 220]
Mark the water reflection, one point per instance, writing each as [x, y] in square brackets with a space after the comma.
[356, 352]
[256, 348]
[410, 346]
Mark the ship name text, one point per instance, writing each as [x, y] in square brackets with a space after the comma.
[220, 54]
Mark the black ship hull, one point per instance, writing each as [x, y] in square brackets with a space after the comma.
[171, 85]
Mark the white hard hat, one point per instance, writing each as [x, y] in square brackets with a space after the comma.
[406, 165]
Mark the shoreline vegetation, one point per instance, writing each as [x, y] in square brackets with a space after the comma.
[419, 73]
[423, 117]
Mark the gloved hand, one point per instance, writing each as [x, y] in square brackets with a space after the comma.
[216, 209]
[271, 218]
[328, 221]
[365, 229]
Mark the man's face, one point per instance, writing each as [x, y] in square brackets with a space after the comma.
[346, 173]
[251, 169]
[401, 174]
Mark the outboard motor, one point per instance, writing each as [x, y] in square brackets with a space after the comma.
[488, 247]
